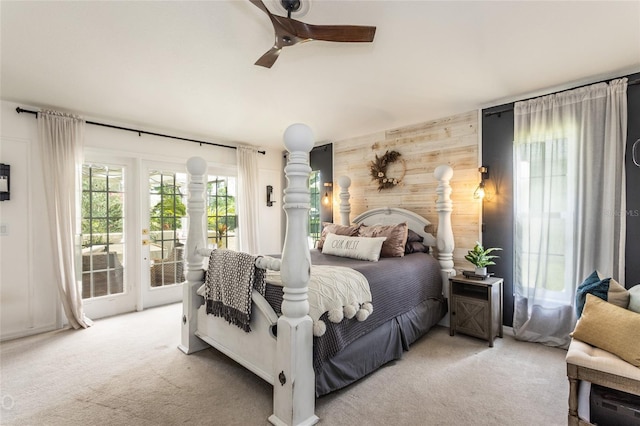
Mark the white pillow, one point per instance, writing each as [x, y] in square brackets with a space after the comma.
[363, 248]
[634, 300]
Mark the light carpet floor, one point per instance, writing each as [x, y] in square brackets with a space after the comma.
[127, 370]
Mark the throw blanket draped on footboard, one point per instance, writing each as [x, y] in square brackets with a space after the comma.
[229, 281]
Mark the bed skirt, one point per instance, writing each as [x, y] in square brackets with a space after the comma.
[378, 347]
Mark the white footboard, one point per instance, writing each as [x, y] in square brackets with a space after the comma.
[255, 350]
[199, 330]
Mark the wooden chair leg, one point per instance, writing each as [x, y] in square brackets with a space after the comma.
[573, 402]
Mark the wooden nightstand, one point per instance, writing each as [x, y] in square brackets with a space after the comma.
[476, 307]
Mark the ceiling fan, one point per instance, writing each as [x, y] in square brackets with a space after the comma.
[289, 32]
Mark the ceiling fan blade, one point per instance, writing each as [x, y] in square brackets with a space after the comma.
[269, 58]
[261, 6]
[341, 33]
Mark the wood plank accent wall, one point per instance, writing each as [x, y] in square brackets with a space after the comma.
[424, 146]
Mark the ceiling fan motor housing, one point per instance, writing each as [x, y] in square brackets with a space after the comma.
[291, 5]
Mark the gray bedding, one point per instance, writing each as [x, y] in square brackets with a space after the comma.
[407, 301]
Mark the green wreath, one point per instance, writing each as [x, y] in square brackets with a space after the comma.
[378, 169]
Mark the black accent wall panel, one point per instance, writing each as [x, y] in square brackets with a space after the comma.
[633, 185]
[497, 208]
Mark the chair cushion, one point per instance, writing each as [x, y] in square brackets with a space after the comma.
[585, 355]
[611, 328]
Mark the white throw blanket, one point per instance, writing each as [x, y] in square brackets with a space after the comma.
[340, 291]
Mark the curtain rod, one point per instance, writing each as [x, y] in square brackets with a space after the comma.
[140, 132]
[500, 111]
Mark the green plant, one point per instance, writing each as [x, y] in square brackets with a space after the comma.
[480, 256]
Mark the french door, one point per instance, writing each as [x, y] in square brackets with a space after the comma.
[107, 251]
[164, 227]
[164, 232]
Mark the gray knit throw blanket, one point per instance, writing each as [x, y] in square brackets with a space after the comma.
[229, 280]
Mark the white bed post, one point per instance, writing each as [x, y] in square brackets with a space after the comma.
[197, 167]
[294, 379]
[444, 236]
[345, 207]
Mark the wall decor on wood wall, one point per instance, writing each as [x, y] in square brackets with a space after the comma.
[379, 170]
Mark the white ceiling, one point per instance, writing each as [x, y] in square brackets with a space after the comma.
[187, 67]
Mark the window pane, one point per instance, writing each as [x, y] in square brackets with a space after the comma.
[116, 183]
[98, 204]
[98, 178]
[115, 204]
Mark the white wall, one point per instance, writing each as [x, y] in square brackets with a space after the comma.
[28, 297]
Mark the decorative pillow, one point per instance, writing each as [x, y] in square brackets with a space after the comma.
[610, 328]
[334, 228]
[415, 247]
[396, 237]
[354, 247]
[618, 295]
[634, 298]
[413, 236]
[606, 289]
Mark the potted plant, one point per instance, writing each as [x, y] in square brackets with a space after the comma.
[481, 258]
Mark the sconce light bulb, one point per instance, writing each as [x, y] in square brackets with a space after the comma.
[479, 192]
[325, 200]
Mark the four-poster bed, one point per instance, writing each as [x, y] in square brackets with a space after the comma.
[280, 348]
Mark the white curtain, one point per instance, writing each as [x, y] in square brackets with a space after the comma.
[61, 139]
[248, 199]
[570, 203]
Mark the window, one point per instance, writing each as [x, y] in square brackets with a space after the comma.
[543, 219]
[315, 227]
[222, 218]
[103, 235]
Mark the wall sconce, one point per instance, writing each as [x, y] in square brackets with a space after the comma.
[479, 193]
[5, 171]
[326, 200]
[269, 195]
